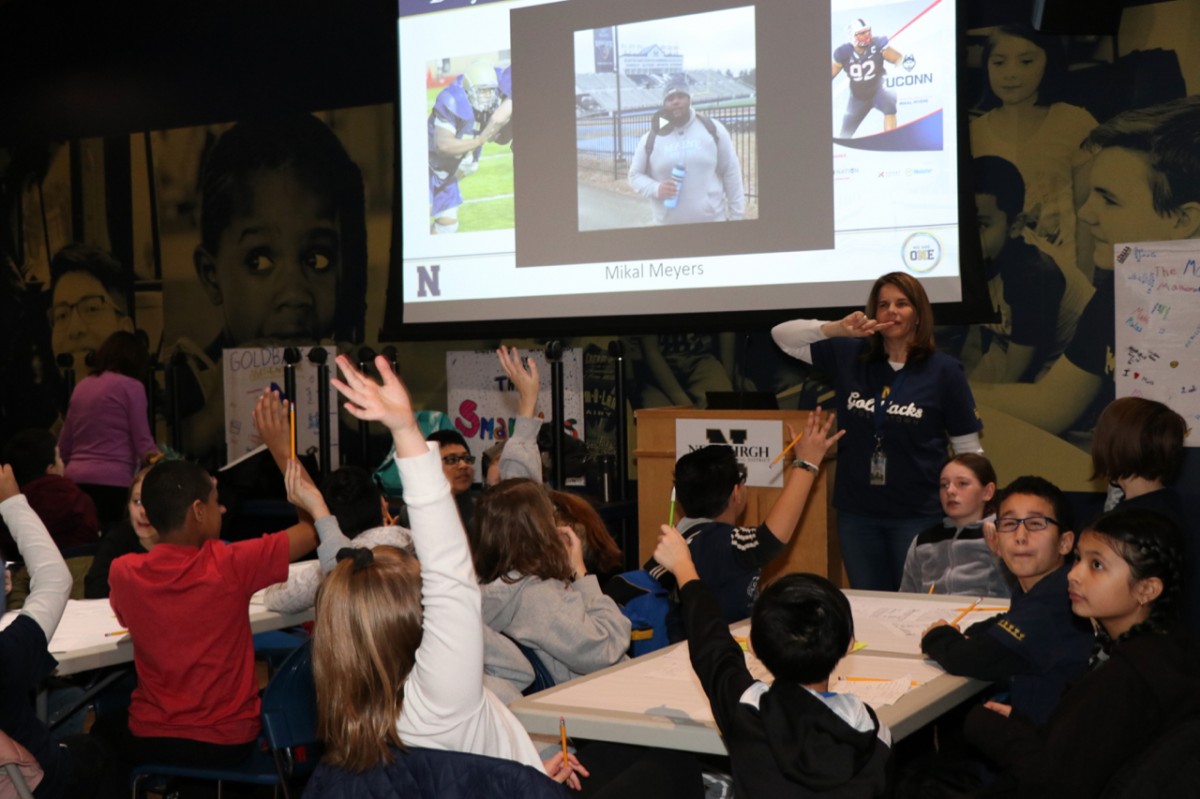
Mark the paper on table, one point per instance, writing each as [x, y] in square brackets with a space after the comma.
[880, 681]
[895, 623]
[876, 694]
[85, 622]
[663, 686]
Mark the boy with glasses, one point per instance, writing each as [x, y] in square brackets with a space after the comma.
[1039, 644]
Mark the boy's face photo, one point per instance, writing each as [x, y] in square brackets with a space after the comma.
[275, 272]
[1031, 554]
[993, 225]
[1120, 205]
[82, 315]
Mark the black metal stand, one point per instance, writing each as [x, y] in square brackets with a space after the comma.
[554, 351]
[366, 359]
[318, 356]
[66, 365]
[616, 351]
[174, 419]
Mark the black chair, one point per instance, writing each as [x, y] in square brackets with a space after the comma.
[289, 748]
[1168, 766]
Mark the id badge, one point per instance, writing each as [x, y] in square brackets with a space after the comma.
[878, 468]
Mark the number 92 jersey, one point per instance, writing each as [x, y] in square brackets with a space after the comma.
[864, 69]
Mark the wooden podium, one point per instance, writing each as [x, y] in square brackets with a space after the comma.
[813, 546]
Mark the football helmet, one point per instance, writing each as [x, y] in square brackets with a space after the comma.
[860, 32]
[480, 83]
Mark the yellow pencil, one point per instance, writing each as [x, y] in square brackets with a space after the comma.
[562, 731]
[795, 441]
[116, 632]
[914, 683]
[982, 609]
[292, 417]
[963, 615]
[931, 587]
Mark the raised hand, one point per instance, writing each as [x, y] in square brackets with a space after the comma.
[817, 440]
[273, 424]
[302, 492]
[386, 402]
[524, 375]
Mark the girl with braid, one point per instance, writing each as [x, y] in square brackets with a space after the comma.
[1128, 580]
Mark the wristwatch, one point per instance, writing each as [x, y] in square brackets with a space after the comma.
[800, 463]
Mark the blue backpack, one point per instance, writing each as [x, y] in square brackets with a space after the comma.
[646, 603]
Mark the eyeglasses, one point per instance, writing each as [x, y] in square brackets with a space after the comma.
[91, 308]
[454, 460]
[1034, 524]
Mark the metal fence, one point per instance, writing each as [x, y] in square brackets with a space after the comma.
[607, 143]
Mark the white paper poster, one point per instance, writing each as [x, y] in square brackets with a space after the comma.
[755, 443]
[483, 402]
[1157, 352]
[250, 370]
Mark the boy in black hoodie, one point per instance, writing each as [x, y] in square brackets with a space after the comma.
[792, 738]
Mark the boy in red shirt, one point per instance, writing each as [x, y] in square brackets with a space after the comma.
[185, 603]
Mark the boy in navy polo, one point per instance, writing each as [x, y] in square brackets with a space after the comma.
[1039, 645]
[710, 486]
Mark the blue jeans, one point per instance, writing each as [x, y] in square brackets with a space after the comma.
[873, 549]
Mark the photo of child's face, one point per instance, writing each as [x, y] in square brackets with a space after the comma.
[1015, 69]
[82, 315]
[1120, 205]
[275, 272]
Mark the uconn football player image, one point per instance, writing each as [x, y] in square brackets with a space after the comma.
[862, 60]
[473, 110]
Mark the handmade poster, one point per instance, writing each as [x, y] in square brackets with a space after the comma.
[1158, 325]
[482, 401]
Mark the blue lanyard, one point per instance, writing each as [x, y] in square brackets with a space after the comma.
[881, 403]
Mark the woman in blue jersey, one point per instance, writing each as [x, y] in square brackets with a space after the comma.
[902, 404]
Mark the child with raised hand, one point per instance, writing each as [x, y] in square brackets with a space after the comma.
[519, 455]
[421, 684]
[955, 557]
[353, 516]
[793, 737]
[1141, 681]
[24, 658]
[197, 698]
[1038, 646]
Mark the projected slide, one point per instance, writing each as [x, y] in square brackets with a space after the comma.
[617, 158]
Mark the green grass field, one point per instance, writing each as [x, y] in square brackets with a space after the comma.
[488, 193]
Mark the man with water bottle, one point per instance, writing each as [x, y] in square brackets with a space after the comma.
[686, 164]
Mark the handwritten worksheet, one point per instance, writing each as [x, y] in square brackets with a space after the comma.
[894, 623]
[1157, 353]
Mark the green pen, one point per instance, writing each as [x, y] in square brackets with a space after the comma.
[671, 513]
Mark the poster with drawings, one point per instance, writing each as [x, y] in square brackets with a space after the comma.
[482, 401]
[250, 370]
[1158, 325]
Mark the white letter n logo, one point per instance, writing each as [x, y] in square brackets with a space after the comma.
[427, 281]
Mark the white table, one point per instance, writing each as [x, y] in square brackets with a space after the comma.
[656, 700]
[88, 636]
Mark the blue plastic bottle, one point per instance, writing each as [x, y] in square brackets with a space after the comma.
[677, 174]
